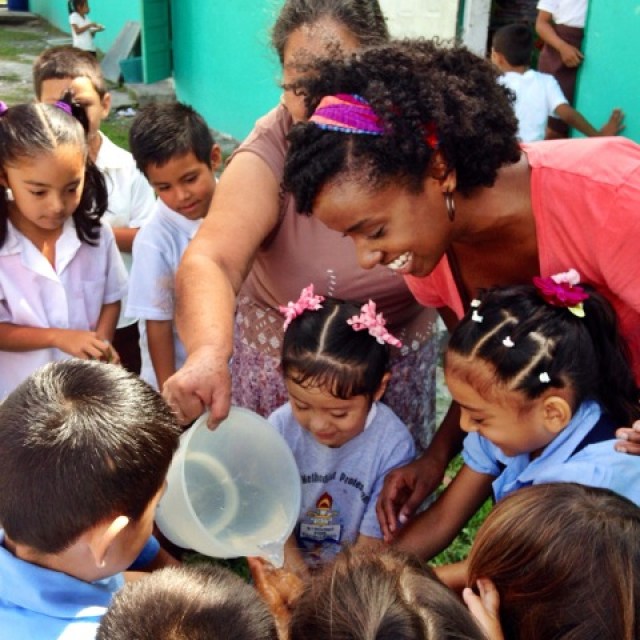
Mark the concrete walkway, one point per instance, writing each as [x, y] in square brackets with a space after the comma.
[27, 35]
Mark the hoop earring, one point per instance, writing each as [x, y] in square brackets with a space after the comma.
[9, 194]
[450, 204]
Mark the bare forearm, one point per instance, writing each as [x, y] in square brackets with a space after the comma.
[14, 337]
[206, 305]
[547, 33]
[108, 320]
[125, 237]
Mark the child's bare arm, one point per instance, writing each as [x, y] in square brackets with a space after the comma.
[433, 530]
[571, 56]
[575, 119]
[125, 237]
[80, 344]
[454, 575]
[161, 349]
[485, 608]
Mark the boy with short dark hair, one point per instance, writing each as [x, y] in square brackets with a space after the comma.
[538, 95]
[130, 198]
[201, 602]
[84, 452]
[173, 147]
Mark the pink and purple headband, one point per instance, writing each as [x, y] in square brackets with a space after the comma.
[351, 113]
[368, 319]
[347, 113]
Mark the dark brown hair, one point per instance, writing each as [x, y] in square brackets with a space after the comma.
[67, 62]
[80, 442]
[198, 602]
[363, 18]
[565, 559]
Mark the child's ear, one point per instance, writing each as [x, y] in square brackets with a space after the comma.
[105, 103]
[383, 387]
[556, 414]
[216, 157]
[101, 537]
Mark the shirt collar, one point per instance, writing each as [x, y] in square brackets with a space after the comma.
[110, 155]
[186, 226]
[52, 593]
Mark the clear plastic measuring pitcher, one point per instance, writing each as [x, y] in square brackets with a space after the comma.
[231, 492]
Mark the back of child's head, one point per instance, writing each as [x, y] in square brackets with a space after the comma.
[67, 62]
[75, 5]
[515, 43]
[379, 596]
[80, 442]
[321, 349]
[565, 560]
[162, 131]
[197, 602]
[531, 345]
[33, 129]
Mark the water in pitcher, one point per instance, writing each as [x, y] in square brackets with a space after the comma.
[244, 517]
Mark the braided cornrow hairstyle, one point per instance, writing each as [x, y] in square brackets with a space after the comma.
[411, 85]
[521, 336]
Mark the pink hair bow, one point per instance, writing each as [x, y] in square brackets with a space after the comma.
[307, 301]
[374, 323]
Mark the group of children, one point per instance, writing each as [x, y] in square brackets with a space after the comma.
[539, 371]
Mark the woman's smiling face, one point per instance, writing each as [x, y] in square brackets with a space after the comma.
[407, 232]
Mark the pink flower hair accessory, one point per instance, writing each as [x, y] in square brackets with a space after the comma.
[374, 323]
[307, 301]
[562, 290]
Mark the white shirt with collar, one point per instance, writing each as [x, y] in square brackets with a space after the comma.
[70, 296]
[131, 200]
[157, 251]
[570, 13]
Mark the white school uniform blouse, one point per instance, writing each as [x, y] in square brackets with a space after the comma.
[131, 200]
[157, 251]
[33, 294]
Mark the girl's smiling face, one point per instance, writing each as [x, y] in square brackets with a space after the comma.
[407, 232]
[47, 189]
[331, 421]
[507, 419]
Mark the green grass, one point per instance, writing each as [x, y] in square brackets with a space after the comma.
[117, 130]
[459, 548]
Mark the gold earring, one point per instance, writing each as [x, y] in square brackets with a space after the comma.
[450, 204]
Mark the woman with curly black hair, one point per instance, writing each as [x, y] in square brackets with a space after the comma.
[411, 151]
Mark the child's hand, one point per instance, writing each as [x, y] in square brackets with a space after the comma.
[404, 490]
[614, 125]
[279, 588]
[629, 439]
[485, 608]
[571, 56]
[86, 345]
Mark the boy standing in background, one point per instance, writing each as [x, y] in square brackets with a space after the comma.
[538, 95]
[173, 147]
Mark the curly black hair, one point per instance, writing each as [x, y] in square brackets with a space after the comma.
[412, 85]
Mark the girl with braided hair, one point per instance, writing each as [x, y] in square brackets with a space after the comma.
[542, 379]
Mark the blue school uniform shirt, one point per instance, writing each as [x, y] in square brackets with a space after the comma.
[41, 603]
[597, 465]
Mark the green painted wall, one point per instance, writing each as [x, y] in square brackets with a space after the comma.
[609, 74]
[223, 63]
[112, 14]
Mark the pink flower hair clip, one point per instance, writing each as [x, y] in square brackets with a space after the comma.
[374, 323]
[562, 290]
[307, 301]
